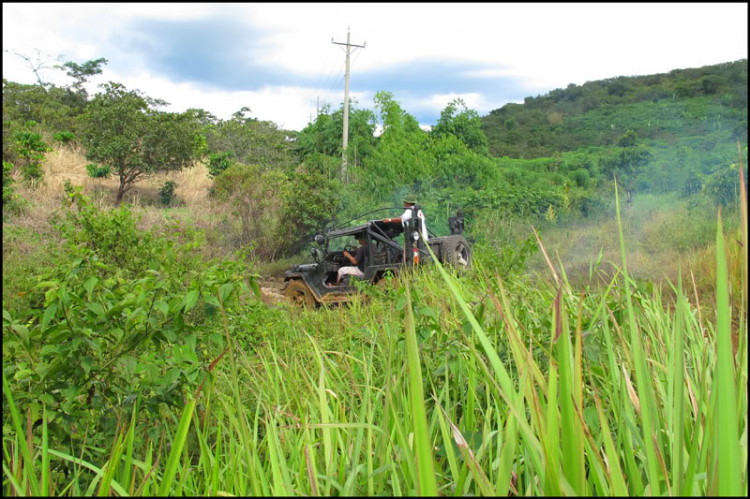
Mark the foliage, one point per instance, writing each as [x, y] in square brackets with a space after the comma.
[120, 317]
[323, 139]
[626, 162]
[65, 137]
[31, 148]
[257, 202]
[581, 177]
[656, 106]
[723, 186]
[218, 162]
[96, 171]
[122, 130]
[166, 192]
[465, 125]
[249, 140]
[276, 211]
[311, 202]
[82, 72]
[9, 188]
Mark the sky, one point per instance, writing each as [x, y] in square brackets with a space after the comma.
[278, 59]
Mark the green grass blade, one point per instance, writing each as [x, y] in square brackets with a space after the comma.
[177, 445]
[113, 484]
[112, 465]
[617, 480]
[423, 447]
[728, 448]
[28, 464]
[678, 385]
[45, 454]
[644, 391]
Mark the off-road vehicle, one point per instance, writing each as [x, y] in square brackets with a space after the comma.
[314, 283]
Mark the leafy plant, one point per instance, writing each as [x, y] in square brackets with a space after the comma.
[166, 192]
[218, 162]
[31, 148]
[120, 317]
[122, 130]
[65, 137]
[8, 187]
[96, 171]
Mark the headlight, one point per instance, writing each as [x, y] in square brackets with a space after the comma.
[415, 235]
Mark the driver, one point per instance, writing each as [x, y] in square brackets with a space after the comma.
[358, 262]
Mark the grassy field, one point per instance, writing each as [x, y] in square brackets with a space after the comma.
[576, 379]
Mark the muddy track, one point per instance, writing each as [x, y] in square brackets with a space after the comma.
[271, 290]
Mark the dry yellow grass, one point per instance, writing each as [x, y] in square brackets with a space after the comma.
[66, 163]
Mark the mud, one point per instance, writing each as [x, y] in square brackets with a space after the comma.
[271, 290]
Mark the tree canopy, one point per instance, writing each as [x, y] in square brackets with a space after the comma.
[122, 130]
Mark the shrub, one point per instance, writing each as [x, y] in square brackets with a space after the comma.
[167, 192]
[218, 162]
[581, 177]
[96, 171]
[257, 201]
[119, 317]
[31, 148]
[65, 137]
[723, 186]
[8, 187]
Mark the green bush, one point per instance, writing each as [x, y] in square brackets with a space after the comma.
[723, 186]
[31, 148]
[65, 137]
[8, 187]
[96, 171]
[167, 192]
[120, 317]
[581, 177]
[218, 162]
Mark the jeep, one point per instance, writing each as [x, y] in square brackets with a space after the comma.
[312, 284]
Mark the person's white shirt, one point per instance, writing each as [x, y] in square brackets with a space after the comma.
[407, 216]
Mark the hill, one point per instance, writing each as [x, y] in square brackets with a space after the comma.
[661, 107]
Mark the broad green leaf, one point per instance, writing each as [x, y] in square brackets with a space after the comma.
[191, 299]
[49, 314]
[89, 285]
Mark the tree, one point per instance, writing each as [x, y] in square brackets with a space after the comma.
[248, 139]
[122, 130]
[323, 136]
[42, 61]
[76, 96]
[626, 163]
[464, 124]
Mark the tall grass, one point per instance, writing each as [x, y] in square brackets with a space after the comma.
[445, 386]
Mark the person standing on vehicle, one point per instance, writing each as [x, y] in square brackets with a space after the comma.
[409, 202]
[358, 262]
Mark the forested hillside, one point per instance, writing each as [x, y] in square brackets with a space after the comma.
[681, 104]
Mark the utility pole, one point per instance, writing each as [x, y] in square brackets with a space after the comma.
[346, 99]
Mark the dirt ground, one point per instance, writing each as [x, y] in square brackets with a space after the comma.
[271, 290]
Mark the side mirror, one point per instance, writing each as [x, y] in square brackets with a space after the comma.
[320, 240]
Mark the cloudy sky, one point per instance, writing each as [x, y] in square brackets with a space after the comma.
[278, 59]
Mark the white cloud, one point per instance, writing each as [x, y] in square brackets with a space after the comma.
[546, 46]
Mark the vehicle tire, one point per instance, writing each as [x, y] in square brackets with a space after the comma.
[384, 283]
[300, 294]
[456, 252]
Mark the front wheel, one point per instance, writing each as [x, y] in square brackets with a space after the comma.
[300, 294]
[457, 253]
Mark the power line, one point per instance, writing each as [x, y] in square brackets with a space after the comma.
[348, 46]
